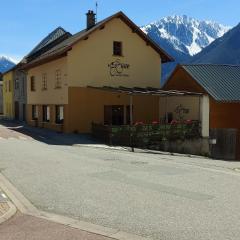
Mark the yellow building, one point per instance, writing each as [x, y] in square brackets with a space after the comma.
[114, 52]
[8, 95]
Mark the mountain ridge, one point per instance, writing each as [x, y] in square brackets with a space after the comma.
[225, 50]
[5, 64]
[183, 37]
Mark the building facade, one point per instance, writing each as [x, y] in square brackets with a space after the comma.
[219, 83]
[8, 95]
[220, 87]
[113, 53]
[1, 94]
[1, 97]
[20, 94]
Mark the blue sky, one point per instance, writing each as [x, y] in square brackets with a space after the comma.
[23, 23]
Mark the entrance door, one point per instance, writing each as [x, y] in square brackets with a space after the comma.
[114, 115]
[17, 110]
[117, 115]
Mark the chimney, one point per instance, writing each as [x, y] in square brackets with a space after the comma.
[91, 19]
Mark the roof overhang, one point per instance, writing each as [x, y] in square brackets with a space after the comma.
[148, 91]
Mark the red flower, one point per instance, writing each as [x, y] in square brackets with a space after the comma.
[139, 123]
[188, 122]
[155, 122]
[174, 122]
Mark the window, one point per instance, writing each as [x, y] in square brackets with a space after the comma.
[59, 114]
[22, 87]
[9, 86]
[46, 113]
[58, 83]
[34, 112]
[117, 48]
[17, 83]
[33, 84]
[6, 86]
[44, 81]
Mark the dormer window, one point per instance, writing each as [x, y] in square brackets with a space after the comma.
[117, 48]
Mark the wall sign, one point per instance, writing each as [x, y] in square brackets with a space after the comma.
[181, 111]
[118, 69]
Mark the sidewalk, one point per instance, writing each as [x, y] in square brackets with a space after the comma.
[17, 226]
[4, 207]
[24, 227]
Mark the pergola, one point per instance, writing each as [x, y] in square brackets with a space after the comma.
[148, 91]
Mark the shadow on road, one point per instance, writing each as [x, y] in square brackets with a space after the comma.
[48, 136]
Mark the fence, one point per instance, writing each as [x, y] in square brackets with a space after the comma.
[146, 135]
[227, 144]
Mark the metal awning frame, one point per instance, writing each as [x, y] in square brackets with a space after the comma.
[145, 91]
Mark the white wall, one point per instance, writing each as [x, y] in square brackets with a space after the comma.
[191, 103]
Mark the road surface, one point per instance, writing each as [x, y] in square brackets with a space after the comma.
[152, 195]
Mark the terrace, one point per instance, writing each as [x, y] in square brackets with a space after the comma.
[180, 118]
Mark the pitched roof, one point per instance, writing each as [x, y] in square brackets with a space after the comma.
[61, 49]
[222, 82]
[51, 37]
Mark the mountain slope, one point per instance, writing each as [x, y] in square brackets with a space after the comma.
[225, 50]
[5, 64]
[182, 37]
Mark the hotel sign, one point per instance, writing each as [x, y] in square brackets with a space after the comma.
[118, 69]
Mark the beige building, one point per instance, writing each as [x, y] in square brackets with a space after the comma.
[113, 52]
[8, 95]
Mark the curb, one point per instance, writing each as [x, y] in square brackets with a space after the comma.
[10, 213]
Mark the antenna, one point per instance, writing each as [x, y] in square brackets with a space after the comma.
[96, 10]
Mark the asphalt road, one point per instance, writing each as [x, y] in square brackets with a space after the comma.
[153, 195]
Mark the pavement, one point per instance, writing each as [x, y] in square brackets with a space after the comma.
[24, 227]
[4, 207]
[143, 194]
[7, 209]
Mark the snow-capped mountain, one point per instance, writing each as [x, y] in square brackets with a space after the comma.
[185, 34]
[224, 50]
[183, 37]
[5, 64]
